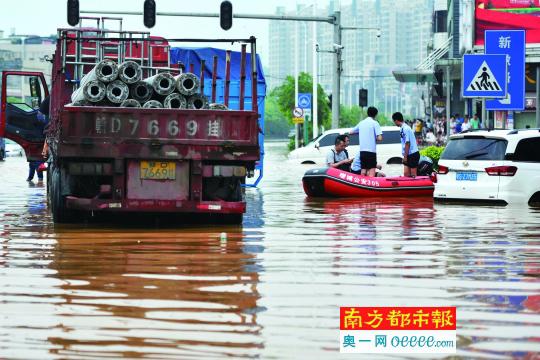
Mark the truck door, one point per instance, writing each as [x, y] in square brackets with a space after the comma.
[22, 93]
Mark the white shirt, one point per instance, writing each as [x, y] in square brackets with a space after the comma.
[465, 126]
[368, 130]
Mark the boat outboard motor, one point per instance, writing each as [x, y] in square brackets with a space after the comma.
[425, 166]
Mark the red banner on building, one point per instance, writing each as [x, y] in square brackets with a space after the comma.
[508, 15]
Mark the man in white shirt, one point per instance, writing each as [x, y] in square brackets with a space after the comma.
[466, 126]
[369, 132]
[411, 155]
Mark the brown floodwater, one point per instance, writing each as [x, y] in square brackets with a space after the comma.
[272, 288]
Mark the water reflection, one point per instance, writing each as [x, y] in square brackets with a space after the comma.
[155, 293]
[272, 288]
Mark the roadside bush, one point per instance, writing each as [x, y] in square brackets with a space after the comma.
[434, 153]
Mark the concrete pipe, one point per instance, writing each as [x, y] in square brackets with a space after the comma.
[216, 106]
[131, 103]
[153, 104]
[129, 72]
[117, 92]
[175, 101]
[80, 103]
[104, 71]
[93, 91]
[197, 101]
[141, 91]
[162, 83]
[187, 84]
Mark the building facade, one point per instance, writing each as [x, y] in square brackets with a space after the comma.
[368, 59]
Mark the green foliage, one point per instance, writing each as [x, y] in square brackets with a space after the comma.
[350, 116]
[433, 152]
[290, 145]
[276, 125]
[285, 98]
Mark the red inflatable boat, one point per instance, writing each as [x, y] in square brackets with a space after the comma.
[333, 182]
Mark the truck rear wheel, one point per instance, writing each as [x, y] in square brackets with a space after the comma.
[59, 211]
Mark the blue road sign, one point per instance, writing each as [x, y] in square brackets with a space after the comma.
[512, 44]
[484, 76]
[304, 100]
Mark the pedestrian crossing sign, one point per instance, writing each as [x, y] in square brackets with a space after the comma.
[484, 76]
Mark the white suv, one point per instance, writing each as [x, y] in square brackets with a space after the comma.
[501, 166]
[388, 151]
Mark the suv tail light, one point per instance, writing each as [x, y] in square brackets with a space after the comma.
[501, 170]
[442, 170]
[433, 177]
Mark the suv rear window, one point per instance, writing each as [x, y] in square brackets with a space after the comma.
[528, 150]
[328, 140]
[475, 148]
[389, 137]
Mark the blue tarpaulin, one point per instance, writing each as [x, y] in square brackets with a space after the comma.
[194, 56]
[188, 56]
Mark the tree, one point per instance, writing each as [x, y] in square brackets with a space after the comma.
[285, 97]
[350, 116]
[276, 125]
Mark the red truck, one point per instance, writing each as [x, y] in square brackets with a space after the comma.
[115, 159]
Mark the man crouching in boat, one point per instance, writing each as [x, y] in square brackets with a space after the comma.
[410, 152]
[338, 157]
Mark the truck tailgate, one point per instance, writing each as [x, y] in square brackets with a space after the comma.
[125, 132]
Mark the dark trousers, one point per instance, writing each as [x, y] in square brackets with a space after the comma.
[32, 169]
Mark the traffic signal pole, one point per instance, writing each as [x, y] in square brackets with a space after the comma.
[336, 83]
[334, 19]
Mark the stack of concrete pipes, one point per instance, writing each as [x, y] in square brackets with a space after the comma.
[110, 84]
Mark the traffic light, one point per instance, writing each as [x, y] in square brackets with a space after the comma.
[438, 86]
[362, 97]
[149, 14]
[225, 15]
[73, 12]
[330, 100]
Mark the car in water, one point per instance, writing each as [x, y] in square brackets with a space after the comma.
[13, 149]
[500, 166]
[388, 151]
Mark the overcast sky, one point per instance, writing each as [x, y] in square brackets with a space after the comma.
[43, 17]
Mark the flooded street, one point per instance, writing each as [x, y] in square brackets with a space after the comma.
[273, 287]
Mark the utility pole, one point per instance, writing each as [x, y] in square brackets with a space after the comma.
[336, 84]
[296, 126]
[315, 99]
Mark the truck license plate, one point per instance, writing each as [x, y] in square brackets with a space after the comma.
[158, 170]
[466, 176]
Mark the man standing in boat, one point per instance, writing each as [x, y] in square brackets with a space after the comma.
[338, 157]
[409, 147]
[369, 132]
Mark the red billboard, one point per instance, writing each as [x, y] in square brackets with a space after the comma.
[508, 15]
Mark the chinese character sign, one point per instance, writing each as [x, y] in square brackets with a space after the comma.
[398, 330]
[398, 318]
